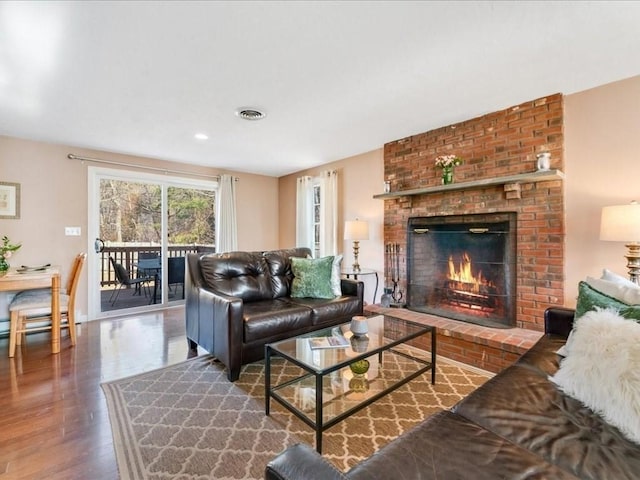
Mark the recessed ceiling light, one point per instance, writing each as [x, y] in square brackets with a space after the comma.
[201, 136]
[248, 113]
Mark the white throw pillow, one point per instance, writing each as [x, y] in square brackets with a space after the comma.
[614, 277]
[620, 291]
[335, 275]
[603, 369]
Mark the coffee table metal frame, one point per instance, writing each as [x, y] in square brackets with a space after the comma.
[320, 425]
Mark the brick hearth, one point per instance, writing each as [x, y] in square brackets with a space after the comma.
[499, 144]
[491, 349]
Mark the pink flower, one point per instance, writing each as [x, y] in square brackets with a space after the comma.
[448, 161]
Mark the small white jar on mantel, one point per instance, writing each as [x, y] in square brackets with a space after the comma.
[544, 161]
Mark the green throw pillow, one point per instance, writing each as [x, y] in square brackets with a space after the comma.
[312, 277]
[589, 298]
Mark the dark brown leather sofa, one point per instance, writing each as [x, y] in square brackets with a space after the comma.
[518, 425]
[237, 302]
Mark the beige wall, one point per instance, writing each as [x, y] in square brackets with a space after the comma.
[602, 152]
[54, 195]
[359, 179]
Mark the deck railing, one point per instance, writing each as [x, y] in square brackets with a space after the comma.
[128, 258]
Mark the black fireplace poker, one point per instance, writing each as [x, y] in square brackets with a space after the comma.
[392, 251]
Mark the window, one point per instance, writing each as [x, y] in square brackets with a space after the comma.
[316, 218]
[316, 214]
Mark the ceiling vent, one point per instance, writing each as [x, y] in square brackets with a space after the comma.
[250, 114]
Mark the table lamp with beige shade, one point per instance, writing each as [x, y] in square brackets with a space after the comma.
[621, 223]
[356, 230]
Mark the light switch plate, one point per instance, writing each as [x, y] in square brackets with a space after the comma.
[72, 231]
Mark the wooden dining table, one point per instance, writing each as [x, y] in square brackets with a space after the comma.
[15, 280]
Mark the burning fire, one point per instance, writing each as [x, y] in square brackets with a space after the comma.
[463, 275]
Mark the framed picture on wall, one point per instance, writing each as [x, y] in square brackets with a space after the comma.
[9, 200]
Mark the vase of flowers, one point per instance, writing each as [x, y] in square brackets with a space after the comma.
[447, 163]
[6, 250]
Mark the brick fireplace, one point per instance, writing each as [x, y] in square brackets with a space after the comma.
[498, 176]
[463, 267]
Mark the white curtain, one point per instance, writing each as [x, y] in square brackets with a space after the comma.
[328, 213]
[304, 212]
[226, 222]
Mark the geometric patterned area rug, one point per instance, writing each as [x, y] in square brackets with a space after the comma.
[187, 421]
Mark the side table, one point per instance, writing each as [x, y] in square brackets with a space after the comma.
[363, 271]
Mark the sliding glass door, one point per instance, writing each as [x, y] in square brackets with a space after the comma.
[190, 227]
[142, 227]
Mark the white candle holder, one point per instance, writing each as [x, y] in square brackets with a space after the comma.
[359, 326]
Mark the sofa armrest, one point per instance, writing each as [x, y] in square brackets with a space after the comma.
[228, 328]
[558, 321]
[216, 313]
[192, 284]
[301, 462]
[354, 288]
[213, 319]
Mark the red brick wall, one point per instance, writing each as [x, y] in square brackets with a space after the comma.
[487, 357]
[494, 145]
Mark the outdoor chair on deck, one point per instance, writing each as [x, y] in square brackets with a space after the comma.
[176, 272]
[124, 280]
[30, 311]
[148, 265]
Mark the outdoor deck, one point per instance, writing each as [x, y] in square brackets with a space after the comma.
[130, 298]
[128, 256]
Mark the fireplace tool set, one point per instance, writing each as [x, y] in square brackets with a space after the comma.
[392, 260]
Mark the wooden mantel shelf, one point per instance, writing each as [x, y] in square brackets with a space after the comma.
[532, 177]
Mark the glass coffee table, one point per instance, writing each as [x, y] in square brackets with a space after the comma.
[323, 384]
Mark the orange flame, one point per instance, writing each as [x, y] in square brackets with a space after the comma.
[464, 275]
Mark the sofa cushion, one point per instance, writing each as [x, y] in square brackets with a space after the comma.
[622, 292]
[312, 277]
[336, 274]
[523, 406]
[266, 319]
[237, 274]
[279, 263]
[448, 446]
[602, 369]
[619, 279]
[589, 298]
[326, 311]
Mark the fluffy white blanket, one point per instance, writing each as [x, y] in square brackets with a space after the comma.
[602, 369]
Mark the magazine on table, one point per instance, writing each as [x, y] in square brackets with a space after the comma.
[334, 341]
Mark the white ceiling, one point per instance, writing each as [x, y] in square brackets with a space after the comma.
[336, 79]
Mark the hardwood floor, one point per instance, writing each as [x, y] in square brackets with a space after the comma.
[53, 415]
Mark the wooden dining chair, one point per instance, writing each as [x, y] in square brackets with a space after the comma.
[29, 310]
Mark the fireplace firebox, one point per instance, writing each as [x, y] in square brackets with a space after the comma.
[463, 267]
